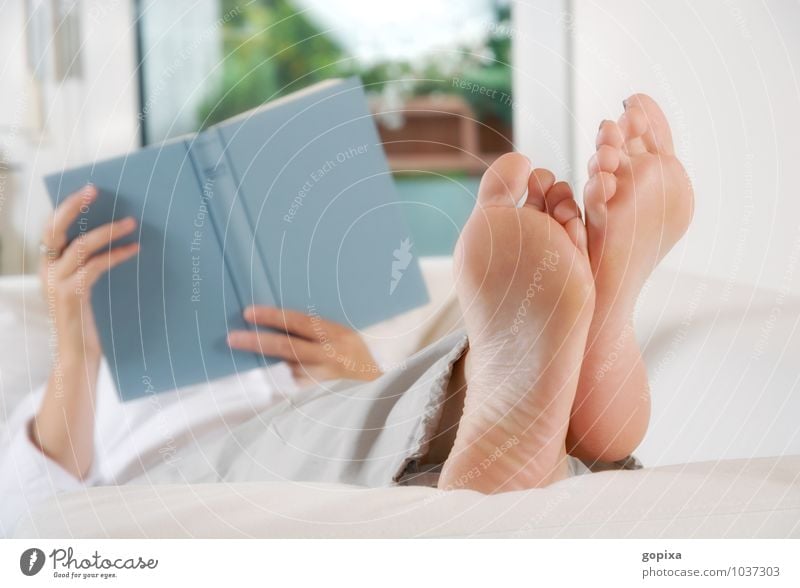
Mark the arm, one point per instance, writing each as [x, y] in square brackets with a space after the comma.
[315, 349]
[63, 428]
[27, 477]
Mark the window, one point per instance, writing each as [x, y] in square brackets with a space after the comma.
[437, 73]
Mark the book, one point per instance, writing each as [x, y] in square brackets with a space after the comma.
[291, 205]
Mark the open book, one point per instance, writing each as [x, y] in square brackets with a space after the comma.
[290, 205]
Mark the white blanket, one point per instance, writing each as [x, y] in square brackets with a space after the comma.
[735, 498]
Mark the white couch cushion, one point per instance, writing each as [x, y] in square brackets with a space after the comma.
[758, 498]
[24, 340]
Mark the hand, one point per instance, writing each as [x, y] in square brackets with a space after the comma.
[314, 348]
[63, 429]
[68, 272]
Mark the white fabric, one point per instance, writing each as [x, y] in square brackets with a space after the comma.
[130, 437]
[722, 360]
[27, 478]
[734, 498]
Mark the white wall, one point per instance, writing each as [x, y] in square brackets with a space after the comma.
[542, 84]
[728, 75]
[62, 123]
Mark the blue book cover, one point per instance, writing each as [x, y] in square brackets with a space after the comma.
[290, 205]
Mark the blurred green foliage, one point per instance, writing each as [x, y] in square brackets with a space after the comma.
[487, 67]
[271, 49]
[496, 73]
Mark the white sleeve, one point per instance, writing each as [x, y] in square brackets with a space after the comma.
[27, 476]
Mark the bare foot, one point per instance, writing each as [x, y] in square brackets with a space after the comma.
[525, 288]
[639, 203]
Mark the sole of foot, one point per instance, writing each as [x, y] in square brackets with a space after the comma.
[639, 203]
[525, 288]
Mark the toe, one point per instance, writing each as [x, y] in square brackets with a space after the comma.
[656, 135]
[610, 134]
[555, 195]
[600, 188]
[505, 182]
[577, 232]
[605, 159]
[539, 183]
[562, 207]
[633, 125]
[566, 210]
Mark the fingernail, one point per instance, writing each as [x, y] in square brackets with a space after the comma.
[625, 104]
[232, 338]
[602, 122]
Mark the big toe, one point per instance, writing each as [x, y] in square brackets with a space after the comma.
[644, 119]
[505, 182]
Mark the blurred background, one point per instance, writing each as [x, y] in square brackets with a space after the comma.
[96, 78]
[453, 84]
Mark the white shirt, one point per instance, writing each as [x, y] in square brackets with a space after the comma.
[130, 437]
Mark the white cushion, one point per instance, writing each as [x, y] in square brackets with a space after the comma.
[24, 340]
[734, 498]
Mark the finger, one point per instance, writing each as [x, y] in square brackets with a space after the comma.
[277, 345]
[85, 246]
[309, 326]
[100, 264]
[299, 371]
[55, 234]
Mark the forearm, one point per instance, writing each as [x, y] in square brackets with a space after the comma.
[64, 426]
[63, 429]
